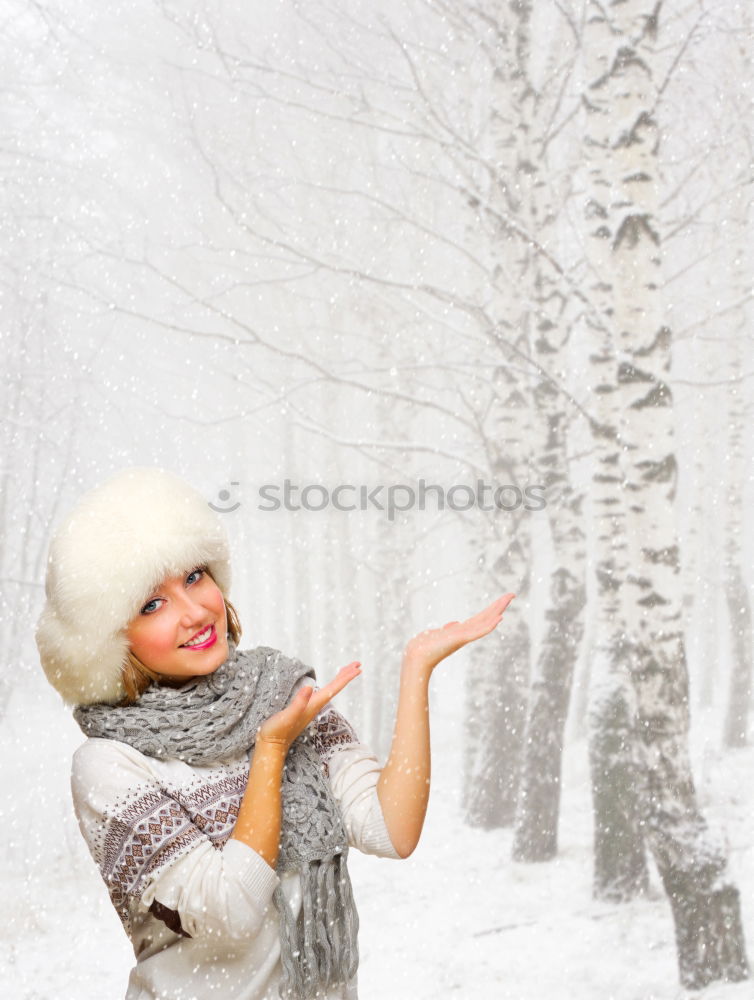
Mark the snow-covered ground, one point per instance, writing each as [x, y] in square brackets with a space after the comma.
[458, 919]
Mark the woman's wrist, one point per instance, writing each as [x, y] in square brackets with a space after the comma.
[270, 750]
[415, 668]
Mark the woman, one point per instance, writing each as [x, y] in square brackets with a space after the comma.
[218, 791]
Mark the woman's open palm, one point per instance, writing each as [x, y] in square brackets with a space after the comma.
[284, 726]
[428, 648]
[433, 645]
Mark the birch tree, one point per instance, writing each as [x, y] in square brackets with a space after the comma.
[496, 683]
[621, 45]
[737, 457]
[737, 596]
[533, 97]
[620, 870]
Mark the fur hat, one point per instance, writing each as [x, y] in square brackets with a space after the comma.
[114, 548]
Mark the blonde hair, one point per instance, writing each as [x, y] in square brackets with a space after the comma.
[137, 677]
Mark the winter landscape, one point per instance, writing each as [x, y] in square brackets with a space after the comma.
[432, 301]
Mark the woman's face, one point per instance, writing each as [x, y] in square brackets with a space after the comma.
[182, 609]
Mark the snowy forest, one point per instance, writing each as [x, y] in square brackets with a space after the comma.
[433, 300]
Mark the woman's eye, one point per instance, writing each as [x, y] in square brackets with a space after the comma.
[195, 574]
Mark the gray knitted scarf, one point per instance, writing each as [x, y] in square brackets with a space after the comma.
[216, 716]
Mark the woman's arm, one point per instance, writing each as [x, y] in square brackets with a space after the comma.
[151, 850]
[403, 786]
[353, 771]
[259, 815]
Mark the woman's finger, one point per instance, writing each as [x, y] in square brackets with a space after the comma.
[344, 676]
[283, 726]
[501, 603]
[494, 610]
[480, 624]
[497, 607]
[298, 703]
[492, 613]
[325, 694]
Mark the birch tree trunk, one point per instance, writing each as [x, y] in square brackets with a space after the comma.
[538, 801]
[625, 179]
[392, 587]
[538, 805]
[620, 869]
[736, 591]
[700, 567]
[577, 727]
[496, 700]
[496, 691]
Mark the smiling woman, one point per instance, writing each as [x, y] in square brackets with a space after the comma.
[144, 642]
[218, 790]
[181, 631]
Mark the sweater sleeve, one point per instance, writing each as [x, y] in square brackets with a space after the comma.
[353, 771]
[150, 852]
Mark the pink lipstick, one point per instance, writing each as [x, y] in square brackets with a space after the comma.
[209, 641]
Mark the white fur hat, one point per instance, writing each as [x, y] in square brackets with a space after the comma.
[115, 547]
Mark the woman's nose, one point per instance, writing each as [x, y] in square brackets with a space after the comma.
[191, 611]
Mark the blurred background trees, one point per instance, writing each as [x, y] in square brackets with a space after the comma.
[464, 243]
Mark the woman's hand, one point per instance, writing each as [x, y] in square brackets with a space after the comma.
[282, 728]
[260, 812]
[431, 646]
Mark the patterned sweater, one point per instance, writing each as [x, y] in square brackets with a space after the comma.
[196, 904]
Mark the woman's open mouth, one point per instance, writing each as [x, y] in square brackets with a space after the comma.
[202, 640]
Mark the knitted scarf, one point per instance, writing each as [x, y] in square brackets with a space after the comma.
[216, 716]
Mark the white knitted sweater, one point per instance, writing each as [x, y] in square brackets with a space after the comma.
[197, 905]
